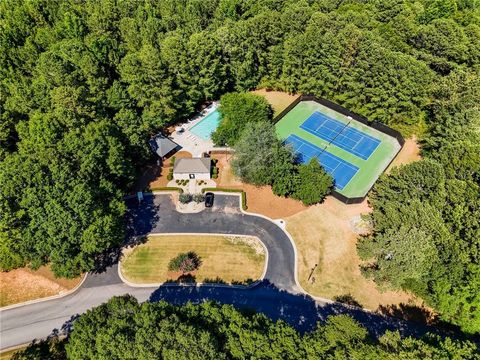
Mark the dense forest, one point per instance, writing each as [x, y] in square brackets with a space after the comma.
[123, 329]
[84, 84]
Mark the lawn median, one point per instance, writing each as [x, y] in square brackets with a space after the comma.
[238, 260]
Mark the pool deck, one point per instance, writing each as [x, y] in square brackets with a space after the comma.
[192, 143]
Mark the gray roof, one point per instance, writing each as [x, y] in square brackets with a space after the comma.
[162, 145]
[193, 165]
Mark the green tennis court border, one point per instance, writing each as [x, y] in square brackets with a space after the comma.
[289, 121]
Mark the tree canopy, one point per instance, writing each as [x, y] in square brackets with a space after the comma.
[83, 86]
[124, 329]
[427, 234]
[238, 111]
[262, 159]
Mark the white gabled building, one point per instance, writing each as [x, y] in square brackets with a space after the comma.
[193, 168]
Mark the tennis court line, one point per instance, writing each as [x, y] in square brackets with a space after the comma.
[323, 126]
[311, 150]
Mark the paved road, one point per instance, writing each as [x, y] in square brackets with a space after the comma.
[277, 296]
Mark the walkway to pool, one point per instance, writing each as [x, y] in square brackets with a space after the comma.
[192, 143]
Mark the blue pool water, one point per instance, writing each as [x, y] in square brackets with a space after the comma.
[207, 125]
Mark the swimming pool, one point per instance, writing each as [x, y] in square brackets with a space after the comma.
[207, 125]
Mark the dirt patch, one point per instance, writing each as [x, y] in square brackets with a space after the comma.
[251, 241]
[261, 199]
[409, 153]
[279, 100]
[24, 284]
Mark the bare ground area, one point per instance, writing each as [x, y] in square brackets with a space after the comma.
[259, 199]
[409, 153]
[326, 243]
[279, 100]
[23, 284]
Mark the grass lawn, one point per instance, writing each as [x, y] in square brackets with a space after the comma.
[24, 284]
[279, 100]
[7, 355]
[324, 235]
[227, 259]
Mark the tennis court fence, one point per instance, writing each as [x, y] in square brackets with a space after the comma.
[340, 109]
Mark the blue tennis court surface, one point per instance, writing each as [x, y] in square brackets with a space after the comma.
[341, 170]
[345, 137]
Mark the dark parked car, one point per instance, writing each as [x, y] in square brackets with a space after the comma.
[209, 199]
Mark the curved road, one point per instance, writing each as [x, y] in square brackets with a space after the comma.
[277, 296]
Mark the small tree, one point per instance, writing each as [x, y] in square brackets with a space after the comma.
[313, 183]
[185, 262]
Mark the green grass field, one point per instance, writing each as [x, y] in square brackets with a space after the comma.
[369, 170]
[231, 259]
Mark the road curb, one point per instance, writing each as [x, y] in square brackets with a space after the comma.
[284, 229]
[200, 284]
[48, 298]
[292, 241]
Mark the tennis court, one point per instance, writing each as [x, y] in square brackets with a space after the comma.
[354, 153]
[341, 135]
[341, 170]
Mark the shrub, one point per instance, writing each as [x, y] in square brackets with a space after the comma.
[214, 172]
[185, 198]
[170, 176]
[185, 262]
[198, 198]
[177, 181]
[172, 161]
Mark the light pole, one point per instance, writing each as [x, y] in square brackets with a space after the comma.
[311, 273]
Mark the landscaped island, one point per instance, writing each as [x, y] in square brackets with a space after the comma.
[224, 259]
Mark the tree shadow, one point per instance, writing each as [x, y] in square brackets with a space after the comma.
[347, 299]
[106, 259]
[183, 279]
[409, 312]
[151, 172]
[299, 310]
[140, 219]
